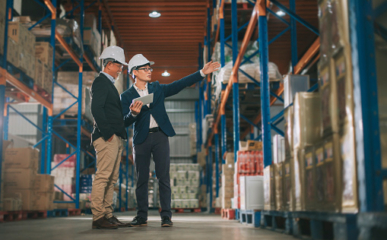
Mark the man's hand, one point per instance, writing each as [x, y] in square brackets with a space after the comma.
[210, 67]
[135, 107]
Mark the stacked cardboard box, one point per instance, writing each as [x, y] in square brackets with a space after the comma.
[228, 181]
[185, 180]
[201, 157]
[64, 173]
[24, 40]
[21, 180]
[91, 36]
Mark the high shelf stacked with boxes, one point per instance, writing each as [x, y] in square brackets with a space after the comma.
[32, 73]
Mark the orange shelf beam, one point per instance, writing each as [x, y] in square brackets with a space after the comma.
[234, 74]
[23, 88]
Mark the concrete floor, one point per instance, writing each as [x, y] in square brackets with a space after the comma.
[197, 226]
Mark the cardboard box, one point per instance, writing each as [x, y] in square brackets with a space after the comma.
[88, 78]
[44, 183]
[250, 145]
[279, 186]
[20, 34]
[21, 158]
[12, 204]
[27, 62]
[19, 178]
[44, 52]
[39, 72]
[28, 197]
[45, 200]
[13, 52]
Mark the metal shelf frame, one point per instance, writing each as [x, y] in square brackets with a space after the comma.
[48, 118]
[259, 16]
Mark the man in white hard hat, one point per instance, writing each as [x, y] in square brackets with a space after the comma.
[151, 131]
[108, 132]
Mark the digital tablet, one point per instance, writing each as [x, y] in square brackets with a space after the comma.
[145, 100]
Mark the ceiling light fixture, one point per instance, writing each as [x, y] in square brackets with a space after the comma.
[165, 74]
[154, 14]
[281, 13]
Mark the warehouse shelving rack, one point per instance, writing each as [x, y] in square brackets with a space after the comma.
[371, 174]
[50, 121]
[268, 97]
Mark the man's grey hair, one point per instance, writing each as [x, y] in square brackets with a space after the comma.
[107, 60]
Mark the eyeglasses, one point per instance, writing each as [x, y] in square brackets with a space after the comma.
[146, 69]
[119, 65]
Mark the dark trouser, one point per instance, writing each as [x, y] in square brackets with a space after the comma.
[156, 144]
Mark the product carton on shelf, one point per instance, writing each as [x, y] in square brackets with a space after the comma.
[21, 158]
[44, 52]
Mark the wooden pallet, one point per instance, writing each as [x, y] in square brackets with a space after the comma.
[228, 214]
[74, 212]
[182, 210]
[11, 216]
[312, 225]
[218, 211]
[250, 217]
[34, 214]
[58, 213]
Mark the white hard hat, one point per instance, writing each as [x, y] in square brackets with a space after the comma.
[115, 53]
[136, 61]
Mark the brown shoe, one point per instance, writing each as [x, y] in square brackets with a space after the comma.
[103, 223]
[114, 220]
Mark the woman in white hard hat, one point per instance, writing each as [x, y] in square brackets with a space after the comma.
[108, 131]
[151, 131]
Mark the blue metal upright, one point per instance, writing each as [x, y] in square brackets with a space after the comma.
[366, 111]
[293, 34]
[209, 177]
[216, 139]
[265, 86]
[235, 85]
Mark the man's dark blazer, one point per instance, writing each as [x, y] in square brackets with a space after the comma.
[157, 108]
[106, 109]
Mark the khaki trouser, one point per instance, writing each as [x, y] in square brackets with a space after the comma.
[108, 165]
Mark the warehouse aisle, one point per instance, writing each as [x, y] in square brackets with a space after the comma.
[198, 226]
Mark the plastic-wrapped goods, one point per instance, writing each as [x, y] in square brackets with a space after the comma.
[294, 84]
[278, 149]
[320, 176]
[288, 114]
[309, 179]
[279, 186]
[287, 186]
[65, 27]
[73, 78]
[62, 100]
[269, 188]
[252, 47]
[340, 80]
[325, 26]
[307, 129]
[328, 100]
[332, 173]
[252, 69]
[296, 168]
[349, 173]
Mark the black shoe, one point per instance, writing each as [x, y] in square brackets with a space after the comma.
[166, 222]
[103, 223]
[139, 221]
[114, 220]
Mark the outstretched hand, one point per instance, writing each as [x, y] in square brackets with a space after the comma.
[210, 67]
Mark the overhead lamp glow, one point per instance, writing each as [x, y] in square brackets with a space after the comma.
[154, 14]
[281, 13]
[165, 74]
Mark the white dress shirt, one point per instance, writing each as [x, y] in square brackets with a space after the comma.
[142, 93]
[109, 77]
[145, 92]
